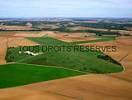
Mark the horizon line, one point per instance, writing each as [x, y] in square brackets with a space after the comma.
[63, 17]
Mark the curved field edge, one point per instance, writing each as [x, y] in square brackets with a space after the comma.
[12, 75]
[77, 60]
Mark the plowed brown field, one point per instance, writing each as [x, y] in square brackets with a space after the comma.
[3, 49]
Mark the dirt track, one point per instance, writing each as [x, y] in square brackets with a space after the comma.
[116, 86]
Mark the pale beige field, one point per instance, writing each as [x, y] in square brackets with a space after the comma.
[67, 37]
[116, 86]
[73, 37]
[87, 28]
[6, 27]
[31, 34]
[25, 34]
[122, 32]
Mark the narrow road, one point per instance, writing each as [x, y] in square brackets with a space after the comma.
[3, 49]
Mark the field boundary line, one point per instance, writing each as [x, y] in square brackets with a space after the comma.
[45, 66]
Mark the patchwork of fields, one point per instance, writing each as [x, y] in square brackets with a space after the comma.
[52, 65]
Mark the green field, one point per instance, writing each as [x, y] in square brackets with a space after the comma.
[21, 74]
[79, 60]
[99, 39]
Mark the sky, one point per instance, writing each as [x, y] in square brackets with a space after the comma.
[65, 8]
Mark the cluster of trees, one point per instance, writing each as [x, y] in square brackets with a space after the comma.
[108, 58]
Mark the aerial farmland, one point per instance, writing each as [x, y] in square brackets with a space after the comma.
[31, 59]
